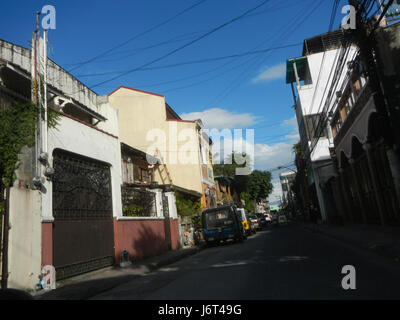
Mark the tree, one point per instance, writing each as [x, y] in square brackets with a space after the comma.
[228, 169]
[260, 185]
[185, 206]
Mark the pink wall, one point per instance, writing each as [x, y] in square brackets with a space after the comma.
[47, 243]
[143, 238]
[175, 239]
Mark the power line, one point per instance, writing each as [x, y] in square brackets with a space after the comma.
[205, 60]
[185, 45]
[283, 34]
[139, 35]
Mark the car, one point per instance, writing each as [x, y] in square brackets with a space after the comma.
[268, 217]
[255, 223]
[262, 220]
[282, 220]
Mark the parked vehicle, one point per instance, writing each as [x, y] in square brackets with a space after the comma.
[262, 220]
[242, 213]
[274, 216]
[221, 224]
[282, 220]
[254, 223]
[268, 218]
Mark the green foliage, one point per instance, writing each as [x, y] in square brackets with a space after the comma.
[256, 186]
[185, 206]
[132, 210]
[297, 149]
[259, 186]
[196, 221]
[249, 204]
[17, 129]
[228, 169]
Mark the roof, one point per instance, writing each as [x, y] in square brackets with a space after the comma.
[133, 89]
[323, 42]
[138, 153]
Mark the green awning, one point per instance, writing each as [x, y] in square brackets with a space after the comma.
[301, 63]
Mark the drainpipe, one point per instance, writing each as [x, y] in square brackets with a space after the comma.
[4, 267]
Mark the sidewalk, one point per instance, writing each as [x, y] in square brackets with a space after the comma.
[84, 286]
[384, 241]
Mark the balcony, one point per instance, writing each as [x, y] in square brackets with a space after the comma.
[365, 95]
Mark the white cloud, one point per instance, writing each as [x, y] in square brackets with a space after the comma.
[217, 118]
[271, 73]
[294, 135]
[266, 156]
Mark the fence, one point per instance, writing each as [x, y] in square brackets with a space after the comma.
[138, 202]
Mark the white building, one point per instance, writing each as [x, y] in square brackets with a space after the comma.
[311, 77]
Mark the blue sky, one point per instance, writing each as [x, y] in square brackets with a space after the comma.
[246, 92]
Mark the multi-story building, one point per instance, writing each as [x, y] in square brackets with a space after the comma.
[365, 147]
[311, 77]
[287, 179]
[354, 159]
[67, 191]
[149, 124]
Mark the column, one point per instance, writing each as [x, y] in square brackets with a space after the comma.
[394, 163]
[342, 204]
[320, 196]
[159, 203]
[371, 167]
[358, 190]
[344, 192]
[173, 212]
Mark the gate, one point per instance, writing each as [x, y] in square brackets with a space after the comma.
[167, 222]
[83, 237]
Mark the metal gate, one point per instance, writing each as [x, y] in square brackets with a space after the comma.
[83, 237]
[167, 223]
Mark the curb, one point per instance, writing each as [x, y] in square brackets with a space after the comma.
[80, 290]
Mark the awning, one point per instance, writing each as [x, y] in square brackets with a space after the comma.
[301, 64]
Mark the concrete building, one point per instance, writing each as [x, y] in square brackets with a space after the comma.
[287, 179]
[149, 124]
[65, 204]
[63, 219]
[311, 77]
[364, 123]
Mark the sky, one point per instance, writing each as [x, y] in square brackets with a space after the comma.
[100, 40]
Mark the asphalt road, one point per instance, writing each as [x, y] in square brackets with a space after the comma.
[279, 263]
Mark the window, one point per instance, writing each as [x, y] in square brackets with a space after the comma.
[312, 121]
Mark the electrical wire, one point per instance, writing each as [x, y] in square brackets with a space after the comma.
[139, 35]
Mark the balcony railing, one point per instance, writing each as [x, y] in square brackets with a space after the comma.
[365, 94]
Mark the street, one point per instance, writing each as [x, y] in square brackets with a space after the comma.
[285, 262]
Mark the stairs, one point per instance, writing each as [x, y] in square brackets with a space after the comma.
[163, 167]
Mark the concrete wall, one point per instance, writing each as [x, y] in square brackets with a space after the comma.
[56, 76]
[73, 136]
[24, 264]
[140, 115]
[143, 237]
